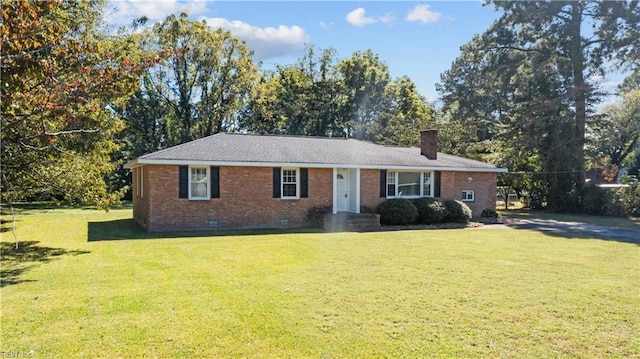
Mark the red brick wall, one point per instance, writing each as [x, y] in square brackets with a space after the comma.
[452, 184]
[369, 190]
[245, 200]
[483, 184]
[140, 197]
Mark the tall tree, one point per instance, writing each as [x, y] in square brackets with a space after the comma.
[615, 135]
[261, 114]
[364, 78]
[526, 81]
[62, 76]
[323, 96]
[204, 81]
[298, 99]
[557, 29]
[319, 97]
[405, 113]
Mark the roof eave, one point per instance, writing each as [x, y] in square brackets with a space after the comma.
[132, 164]
[145, 161]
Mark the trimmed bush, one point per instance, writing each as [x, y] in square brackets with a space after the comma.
[457, 211]
[397, 211]
[430, 210]
[489, 213]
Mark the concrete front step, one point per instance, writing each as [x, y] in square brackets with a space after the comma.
[348, 221]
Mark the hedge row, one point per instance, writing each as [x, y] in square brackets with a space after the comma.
[621, 202]
[423, 211]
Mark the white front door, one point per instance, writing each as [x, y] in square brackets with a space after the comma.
[343, 190]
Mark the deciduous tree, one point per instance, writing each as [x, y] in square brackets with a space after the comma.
[615, 135]
[62, 76]
[204, 81]
[364, 78]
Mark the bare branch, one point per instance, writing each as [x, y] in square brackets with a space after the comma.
[510, 47]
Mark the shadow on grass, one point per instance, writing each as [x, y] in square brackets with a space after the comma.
[5, 225]
[23, 208]
[127, 229]
[18, 259]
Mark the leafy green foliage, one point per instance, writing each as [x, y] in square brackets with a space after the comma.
[320, 96]
[197, 89]
[397, 211]
[615, 135]
[299, 99]
[430, 210]
[457, 211]
[489, 213]
[62, 76]
[522, 87]
[405, 113]
[364, 78]
[626, 200]
[595, 200]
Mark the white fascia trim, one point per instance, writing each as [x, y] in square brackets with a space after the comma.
[132, 164]
[143, 161]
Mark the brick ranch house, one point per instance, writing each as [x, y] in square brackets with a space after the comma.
[267, 181]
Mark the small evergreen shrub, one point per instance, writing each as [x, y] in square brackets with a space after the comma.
[397, 211]
[457, 211]
[489, 213]
[430, 210]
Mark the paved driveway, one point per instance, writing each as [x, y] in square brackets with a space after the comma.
[572, 229]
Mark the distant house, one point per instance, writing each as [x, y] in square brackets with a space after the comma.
[267, 181]
[597, 177]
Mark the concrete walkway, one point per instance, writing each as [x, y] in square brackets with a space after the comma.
[576, 229]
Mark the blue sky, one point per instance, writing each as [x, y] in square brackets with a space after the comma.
[417, 39]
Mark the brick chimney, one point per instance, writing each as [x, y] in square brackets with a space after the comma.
[429, 143]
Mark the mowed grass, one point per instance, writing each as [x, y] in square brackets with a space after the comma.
[425, 293]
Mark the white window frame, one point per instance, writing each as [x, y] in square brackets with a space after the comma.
[207, 183]
[392, 179]
[282, 182]
[468, 195]
[423, 180]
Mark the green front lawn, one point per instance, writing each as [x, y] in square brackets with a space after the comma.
[424, 293]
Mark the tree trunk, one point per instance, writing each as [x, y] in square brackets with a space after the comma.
[579, 91]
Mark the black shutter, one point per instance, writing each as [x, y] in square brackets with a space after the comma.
[436, 184]
[304, 182]
[183, 182]
[383, 183]
[276, 182]
[215, 182]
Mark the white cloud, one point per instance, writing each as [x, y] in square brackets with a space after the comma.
[126, 10]
[387, 18]
[326, 25]
[421, 13]
[359, 18]
[265, 42]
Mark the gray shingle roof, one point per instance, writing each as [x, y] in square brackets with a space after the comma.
[304, 151]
